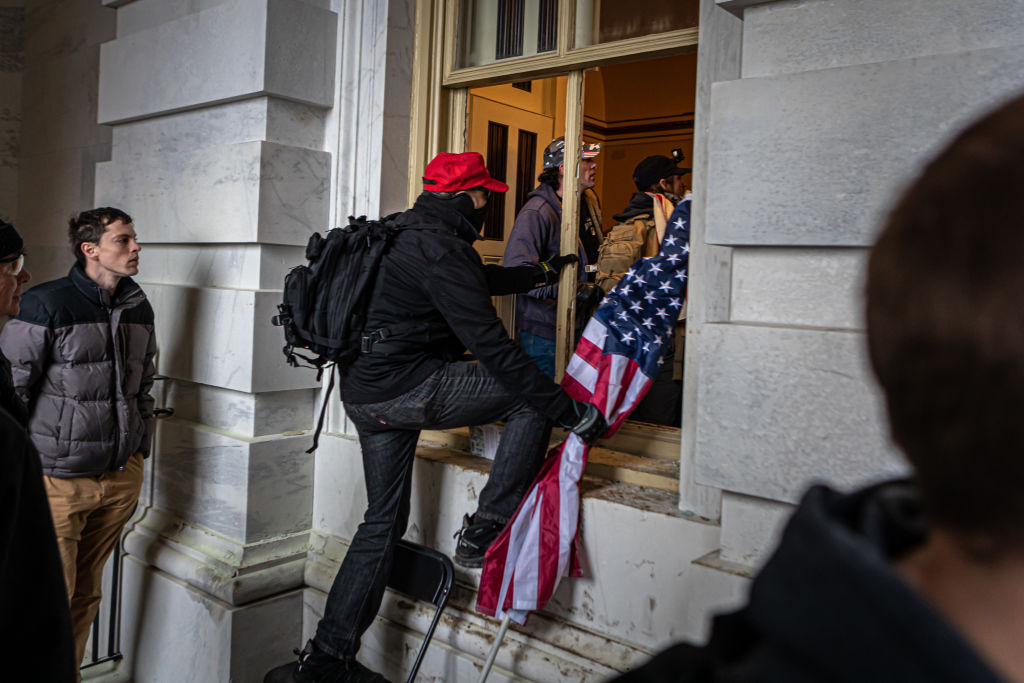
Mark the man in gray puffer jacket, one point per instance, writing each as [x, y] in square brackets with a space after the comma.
[81, 353]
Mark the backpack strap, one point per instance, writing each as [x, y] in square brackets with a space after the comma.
[323, 412]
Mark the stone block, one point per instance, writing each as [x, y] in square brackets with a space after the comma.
[253, 120]
[238, 266]
[200, 333]
[171, 632]
[785, 37]
[751, 528]
[780, 408]
[231, 50]
[245, 489]
[815, 158]
[811, 287]
[258, 191]
[245, 414]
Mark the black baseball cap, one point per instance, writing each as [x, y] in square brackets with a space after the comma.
[652, 169]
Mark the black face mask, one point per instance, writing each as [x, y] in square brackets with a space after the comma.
[463, 203]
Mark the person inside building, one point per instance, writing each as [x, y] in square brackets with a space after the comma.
[35, 623]
[420, 379]
[661, 197]
[920, 579]
[537, 236]
[81, 352]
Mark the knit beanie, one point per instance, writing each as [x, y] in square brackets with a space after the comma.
[10, 240]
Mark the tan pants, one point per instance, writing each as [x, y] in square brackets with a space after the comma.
[89, 514]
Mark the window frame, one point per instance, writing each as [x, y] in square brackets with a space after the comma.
[440, 97]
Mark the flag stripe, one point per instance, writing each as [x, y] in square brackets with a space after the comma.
[616, 358]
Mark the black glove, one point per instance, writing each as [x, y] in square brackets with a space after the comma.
[585, 420]
[547, 271]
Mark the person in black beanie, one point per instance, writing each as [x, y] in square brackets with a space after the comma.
[35, 621]
[12, 276]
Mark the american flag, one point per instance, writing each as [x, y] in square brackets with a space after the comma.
[615, 362]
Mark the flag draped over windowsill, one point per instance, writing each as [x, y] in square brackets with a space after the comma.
[614, 365]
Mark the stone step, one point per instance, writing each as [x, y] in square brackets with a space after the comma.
[641, 588]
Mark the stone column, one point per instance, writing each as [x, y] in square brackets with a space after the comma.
[218, 113]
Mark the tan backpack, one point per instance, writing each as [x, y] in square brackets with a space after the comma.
[624, 245]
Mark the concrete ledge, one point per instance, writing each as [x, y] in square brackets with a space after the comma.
[232, 572]
[737, 7]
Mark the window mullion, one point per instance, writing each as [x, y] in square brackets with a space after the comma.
[570, 219]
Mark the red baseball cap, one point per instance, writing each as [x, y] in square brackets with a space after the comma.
[449, 172]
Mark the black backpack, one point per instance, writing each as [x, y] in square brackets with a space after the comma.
[325, 302]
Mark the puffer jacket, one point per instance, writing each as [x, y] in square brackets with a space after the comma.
[82, 364]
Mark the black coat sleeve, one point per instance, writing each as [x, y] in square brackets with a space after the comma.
[459, 290]
[512, 280]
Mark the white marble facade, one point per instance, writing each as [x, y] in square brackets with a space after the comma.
[231, 129]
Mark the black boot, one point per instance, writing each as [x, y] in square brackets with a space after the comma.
[475, 537]
[316, 666]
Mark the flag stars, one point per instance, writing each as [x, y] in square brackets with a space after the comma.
[647, 323]
[661, 313]
[673, 258]
[650, 296]
[675, 303]
[679, 223]
[670, 240]
[655, 268]
[636, 306]
[666, 286]
[681, 275]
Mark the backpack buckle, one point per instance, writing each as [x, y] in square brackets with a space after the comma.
[367, 341]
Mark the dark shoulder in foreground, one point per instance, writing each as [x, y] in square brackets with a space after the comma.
[42, 304]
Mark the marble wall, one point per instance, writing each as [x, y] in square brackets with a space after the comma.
[815, 114]
[218, 148]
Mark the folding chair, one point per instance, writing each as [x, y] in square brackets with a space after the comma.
[423, 574]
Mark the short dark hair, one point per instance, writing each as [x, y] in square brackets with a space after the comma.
[89, 226]
[551, 177]
[946, 333]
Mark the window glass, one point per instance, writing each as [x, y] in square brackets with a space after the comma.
[604, 21]
[495, 30]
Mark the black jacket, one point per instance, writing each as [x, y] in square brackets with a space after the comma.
[433, 286]
[639, 204]
[9, 400]
[35, 623]
[829, 607]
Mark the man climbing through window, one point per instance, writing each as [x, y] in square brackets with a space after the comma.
[433, 284]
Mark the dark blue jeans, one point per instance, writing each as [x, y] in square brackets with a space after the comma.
[541, 350]
[457, 395]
